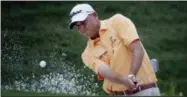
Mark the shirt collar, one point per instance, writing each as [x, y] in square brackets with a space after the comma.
[102, 29]
[103, 26]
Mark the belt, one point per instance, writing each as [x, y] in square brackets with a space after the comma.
[138, 89]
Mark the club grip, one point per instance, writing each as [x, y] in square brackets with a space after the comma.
[135, 82]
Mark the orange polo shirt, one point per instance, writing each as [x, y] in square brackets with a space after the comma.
[111, 48]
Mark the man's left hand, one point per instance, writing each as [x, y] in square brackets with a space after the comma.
[134, 80]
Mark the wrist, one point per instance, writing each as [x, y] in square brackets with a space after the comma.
[131, 74]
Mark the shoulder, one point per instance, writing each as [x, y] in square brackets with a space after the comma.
[119, 17]
[116, 17]
[120, 20]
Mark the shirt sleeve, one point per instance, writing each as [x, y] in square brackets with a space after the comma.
[125, 28]
[91, 61]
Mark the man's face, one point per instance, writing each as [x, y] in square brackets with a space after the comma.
[89, 27]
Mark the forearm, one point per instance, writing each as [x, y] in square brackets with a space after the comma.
[137, 57]
[109, 74]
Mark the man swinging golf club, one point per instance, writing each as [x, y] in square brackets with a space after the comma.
[114, 52]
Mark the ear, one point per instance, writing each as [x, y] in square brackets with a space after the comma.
[95, 14]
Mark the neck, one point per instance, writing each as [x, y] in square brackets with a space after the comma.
[97, 33]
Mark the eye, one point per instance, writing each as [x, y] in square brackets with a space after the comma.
[79, 23]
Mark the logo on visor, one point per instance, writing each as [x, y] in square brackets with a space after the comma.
[75, 13]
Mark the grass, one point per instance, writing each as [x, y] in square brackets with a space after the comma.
[19, 93]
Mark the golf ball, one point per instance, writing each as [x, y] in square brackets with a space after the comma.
[42, 63]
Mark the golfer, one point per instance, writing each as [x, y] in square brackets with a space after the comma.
[114, 52]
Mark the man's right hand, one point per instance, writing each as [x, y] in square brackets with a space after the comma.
[127, 81]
